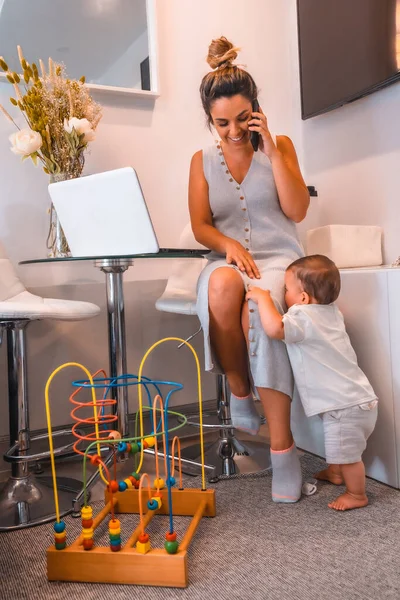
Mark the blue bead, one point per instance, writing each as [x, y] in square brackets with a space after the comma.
[152, 505]
[122, 446]
[122, 486]
[139, 445]
[171, 481]
[59, 527]
[115, 542]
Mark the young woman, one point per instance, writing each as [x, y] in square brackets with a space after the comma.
[243, 206]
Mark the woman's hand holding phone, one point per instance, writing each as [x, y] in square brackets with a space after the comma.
[258, 126]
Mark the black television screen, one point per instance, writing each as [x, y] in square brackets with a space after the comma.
[347, 50]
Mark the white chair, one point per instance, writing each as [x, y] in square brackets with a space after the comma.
[25, 499]
[229, 454]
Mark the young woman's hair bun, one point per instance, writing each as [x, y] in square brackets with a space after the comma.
[221, 53]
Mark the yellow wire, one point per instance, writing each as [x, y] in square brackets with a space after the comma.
[49, 428]
[168, 339]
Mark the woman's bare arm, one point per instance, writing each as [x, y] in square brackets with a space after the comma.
[293, 194]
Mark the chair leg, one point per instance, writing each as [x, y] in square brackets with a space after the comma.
[26, 500]
[230, 454]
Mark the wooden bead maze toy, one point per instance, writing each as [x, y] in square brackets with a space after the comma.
[135, 561]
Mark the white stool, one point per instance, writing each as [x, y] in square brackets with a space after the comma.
[24, 499]
[230, 455]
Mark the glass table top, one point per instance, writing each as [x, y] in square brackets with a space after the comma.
[163, 253]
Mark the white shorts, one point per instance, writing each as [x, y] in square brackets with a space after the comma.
[347, 431]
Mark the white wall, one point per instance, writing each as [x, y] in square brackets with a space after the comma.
[352, 156]
[158, 138]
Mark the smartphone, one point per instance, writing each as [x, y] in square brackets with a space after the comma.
[254, 135]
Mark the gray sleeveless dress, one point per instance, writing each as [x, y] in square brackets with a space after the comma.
[251, 214]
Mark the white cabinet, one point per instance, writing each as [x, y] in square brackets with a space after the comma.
[370, 302]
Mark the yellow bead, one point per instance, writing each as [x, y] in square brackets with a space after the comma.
[88, 530]
[60, 536]
[143, 548]
[158, 500]
[86, 512]
[115, 531]
[150, 441]
[87, 536]
[128, 483]
[159, 483]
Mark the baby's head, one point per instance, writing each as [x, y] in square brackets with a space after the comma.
[312, 280]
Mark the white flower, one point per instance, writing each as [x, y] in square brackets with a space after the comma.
[80, 126]
[25, 142]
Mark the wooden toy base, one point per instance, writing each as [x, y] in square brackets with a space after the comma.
[156, 568]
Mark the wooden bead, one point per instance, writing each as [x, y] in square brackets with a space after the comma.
[171, 547]
[143, 538]
[88, 544]
[170, 537]
[59, 527]
[86, 512]
[159, 483]
[113, 486]
[150, 441]
[114, 524]
[95, 459]
[114, 435]
[87, 523]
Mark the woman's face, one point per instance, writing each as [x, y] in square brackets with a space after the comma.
[230, 117]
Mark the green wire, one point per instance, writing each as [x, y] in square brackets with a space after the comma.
[128, 440]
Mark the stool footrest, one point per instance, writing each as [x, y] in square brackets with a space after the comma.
[10, 457]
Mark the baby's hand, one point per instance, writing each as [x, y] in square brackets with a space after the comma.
[255, 293]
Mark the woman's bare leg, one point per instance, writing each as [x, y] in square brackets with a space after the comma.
[225, 299]
[286, 477]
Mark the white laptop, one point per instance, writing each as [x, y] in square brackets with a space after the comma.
[104, 214]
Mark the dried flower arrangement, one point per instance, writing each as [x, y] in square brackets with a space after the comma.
[60, 114]
[62, 118]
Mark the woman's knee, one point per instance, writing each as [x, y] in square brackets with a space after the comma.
[225, 285]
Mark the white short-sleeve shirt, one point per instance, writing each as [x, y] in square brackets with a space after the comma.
[323, 360]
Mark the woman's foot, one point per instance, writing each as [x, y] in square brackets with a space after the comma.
[244, 414]
[286, 475]
[349, 501]
[331, 474]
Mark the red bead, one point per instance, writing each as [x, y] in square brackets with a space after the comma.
[170, 537]
[87, 523]
[128, 447]
[143, 538]
[88, 544]
[113, 486]
[136, 484]
[145, 444]
[95, 459]
[132, 479]
[115, 548]
[157, 494]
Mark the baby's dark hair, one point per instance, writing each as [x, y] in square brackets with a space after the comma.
[227, 79]
[319, 277]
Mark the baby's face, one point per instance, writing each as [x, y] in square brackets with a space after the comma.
[294, 293]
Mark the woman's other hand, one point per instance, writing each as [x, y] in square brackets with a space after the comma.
[237, 255]
[259, 123]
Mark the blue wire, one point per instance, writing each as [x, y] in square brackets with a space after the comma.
[169, 490]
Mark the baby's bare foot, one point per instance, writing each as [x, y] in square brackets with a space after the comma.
[349, 501]
[331, 474]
